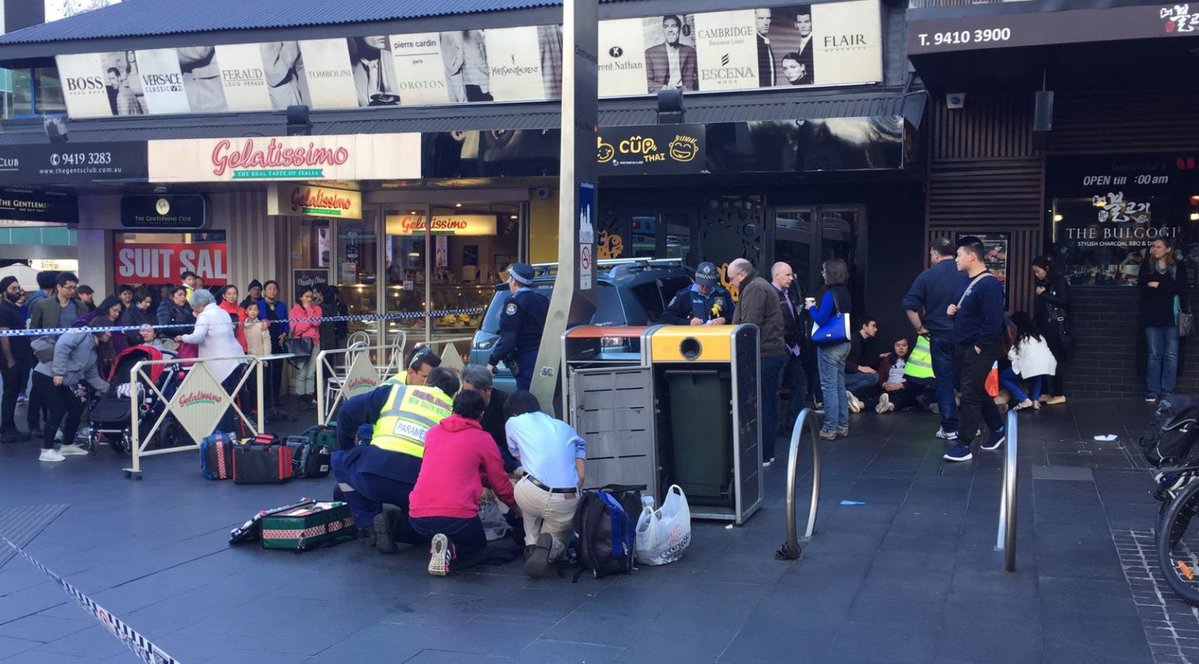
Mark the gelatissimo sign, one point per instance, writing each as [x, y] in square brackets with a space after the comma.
[1032, 28]
[450, 224]
[653, 149]
[780, 47]
[302, 200]
[351, 157]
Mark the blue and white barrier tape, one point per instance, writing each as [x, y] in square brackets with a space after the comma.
[55, 331]
[140, 645]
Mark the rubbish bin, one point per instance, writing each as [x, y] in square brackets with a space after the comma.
[706, 384]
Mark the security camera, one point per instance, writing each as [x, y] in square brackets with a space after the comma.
[955, 100]
[543, 193]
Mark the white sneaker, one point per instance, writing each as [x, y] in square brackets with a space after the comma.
[72, 450]
[855, 406]
[51, 455]
[884, 403]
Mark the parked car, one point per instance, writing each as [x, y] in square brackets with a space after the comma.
[629, 292]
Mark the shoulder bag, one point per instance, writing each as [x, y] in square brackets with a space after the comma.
[835, 331]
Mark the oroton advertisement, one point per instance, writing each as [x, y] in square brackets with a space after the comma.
[308, 201]
[353, 157]
[827, 43]
[162, 263]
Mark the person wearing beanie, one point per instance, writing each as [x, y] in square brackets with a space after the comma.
[521, 325]
[15, 360]
[253, 293]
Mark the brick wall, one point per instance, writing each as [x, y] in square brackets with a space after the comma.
[1105, 362]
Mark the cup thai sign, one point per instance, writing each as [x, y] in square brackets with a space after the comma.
[829, 43]
[162, 263]
[450, 224]
[675, 149]
[352, 157]
[300, 200]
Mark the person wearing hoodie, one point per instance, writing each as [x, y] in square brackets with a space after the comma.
[461, 459]
[74, 363]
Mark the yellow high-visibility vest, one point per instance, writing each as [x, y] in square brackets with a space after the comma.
[920, 360]
[408, 415]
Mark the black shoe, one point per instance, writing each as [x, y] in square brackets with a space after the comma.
[384, 531]
[538, 562]
[15, 436]
[367, 536]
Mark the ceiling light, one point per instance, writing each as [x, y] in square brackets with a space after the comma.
[512, 216]
[1057, 217]
[457, 205]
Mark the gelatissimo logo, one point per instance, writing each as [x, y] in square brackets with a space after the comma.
[199, 398]
[319, 201]
[361, 383]
[274, 159]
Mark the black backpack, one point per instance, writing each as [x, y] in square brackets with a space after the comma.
[1170, 438]
[605, 532]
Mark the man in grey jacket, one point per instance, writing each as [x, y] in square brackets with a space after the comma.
[74, 362]
[759, 304]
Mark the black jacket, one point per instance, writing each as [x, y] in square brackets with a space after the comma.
[792, 327]
[1053, 306]
[1157, 304]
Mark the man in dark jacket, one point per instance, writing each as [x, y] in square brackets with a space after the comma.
[17, 360]
[926, 302]
[759, 304]
[978, 325]
[704, 302]
[791, 306]
[478, 378]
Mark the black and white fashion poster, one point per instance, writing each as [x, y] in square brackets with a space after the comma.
[330, 77]
[622, 57]
[89, 88]
[201, 74]
[725, 45]
[476, 72]
[373, 67]
[422, 68]
[283, 65]
[243, 77]
[162, 81]
[56, 9]
[785, 42]
[670, 58]
[514, 58]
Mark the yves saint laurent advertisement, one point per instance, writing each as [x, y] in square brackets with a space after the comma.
[331, 80]
[832, 43]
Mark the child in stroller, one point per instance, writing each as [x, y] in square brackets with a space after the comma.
[111, 415]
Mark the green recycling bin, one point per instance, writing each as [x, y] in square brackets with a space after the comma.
[701, 425]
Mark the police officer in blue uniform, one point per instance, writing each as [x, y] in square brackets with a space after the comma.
[521, 325]
[703, 303]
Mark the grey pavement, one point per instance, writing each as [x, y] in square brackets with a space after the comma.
[910, 576]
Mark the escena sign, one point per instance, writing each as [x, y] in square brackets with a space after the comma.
[303, 200]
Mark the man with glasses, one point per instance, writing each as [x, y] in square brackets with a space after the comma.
[759, 304]
[60, 311]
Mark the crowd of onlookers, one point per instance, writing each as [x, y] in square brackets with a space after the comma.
[52, 370]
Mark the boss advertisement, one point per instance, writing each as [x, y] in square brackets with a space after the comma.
[836, 43]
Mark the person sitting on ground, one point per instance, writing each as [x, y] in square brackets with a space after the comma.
[1031, 360]
[478, 378]
[898, 392]
[553, 455]
[460, 461]
[385, 469]
[861, 365]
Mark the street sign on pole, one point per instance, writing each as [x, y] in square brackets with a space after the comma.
[573, 300]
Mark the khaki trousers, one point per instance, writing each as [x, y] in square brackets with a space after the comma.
[546, 512]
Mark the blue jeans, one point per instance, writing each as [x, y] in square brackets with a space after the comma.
[467, 536]
[1011, 380]
[1162, 344]
[941, 347]
[772, 368]
[831, 361]
[857, 380]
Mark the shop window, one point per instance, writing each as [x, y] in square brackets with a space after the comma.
[356, 273]
[36, 91]
[650, 299]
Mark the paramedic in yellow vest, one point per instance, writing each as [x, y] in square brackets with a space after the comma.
[421, 361]
[919, 366]
[384, 470]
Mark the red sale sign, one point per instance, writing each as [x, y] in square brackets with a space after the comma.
[163, 263]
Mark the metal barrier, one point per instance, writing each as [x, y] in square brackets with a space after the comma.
[1005, 540]
[806, 419]
[197, 405]
[356, 374]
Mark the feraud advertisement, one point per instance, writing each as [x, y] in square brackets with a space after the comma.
[162, 262]
[829, 43]
[350, 157]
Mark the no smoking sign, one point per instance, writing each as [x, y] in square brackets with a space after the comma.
[585, 272]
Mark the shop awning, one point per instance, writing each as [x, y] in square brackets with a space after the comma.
[543, 115]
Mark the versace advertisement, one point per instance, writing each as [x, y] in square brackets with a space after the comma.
[832, 43]
[1106, 211]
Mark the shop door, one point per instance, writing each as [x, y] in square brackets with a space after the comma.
[655, 234]
[805, 237]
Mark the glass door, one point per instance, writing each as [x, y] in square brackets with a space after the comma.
[356, 272]
[793, 241]
[805, 237]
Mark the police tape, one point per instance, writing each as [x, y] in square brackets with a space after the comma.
[140, 645]
[355, 318]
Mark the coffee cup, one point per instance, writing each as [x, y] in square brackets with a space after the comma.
[809, 301]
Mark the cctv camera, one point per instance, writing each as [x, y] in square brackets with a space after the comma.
[955, 100]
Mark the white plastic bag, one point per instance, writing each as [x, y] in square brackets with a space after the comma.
[663, 534]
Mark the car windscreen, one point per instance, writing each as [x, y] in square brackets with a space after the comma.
[607, 312]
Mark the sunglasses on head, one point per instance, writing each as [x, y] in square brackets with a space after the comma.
[418, 356]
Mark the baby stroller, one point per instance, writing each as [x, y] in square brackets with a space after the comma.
[111, 416]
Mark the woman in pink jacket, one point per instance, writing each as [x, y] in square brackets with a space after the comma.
[304, 324]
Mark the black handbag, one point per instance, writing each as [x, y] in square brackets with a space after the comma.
[301, 349]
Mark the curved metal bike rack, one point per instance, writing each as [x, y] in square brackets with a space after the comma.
[806, 419]
[1005, 540]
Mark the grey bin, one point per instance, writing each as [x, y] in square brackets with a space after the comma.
[701, 424]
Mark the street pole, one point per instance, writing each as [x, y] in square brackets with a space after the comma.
[574, 297]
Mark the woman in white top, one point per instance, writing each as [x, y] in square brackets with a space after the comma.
[553, 456]
[1031, 360]
[214, 338]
